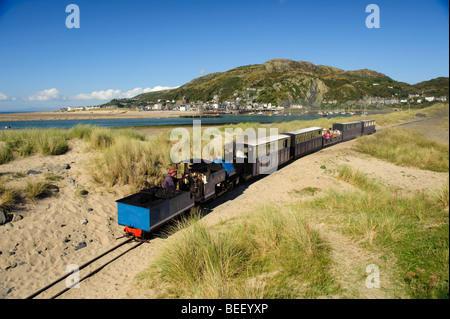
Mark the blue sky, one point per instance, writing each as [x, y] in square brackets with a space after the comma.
[123, 48]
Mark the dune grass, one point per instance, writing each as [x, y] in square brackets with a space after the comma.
[36, 189]
[124, 156]
[33, 190]
[412, 227]
[405, 147]
[80, 131]
[357, 178]
[27, 142]
[8, 197]
[443, 195]
[275, 252]
[6, 153]
[99, 138]
[132, 162]
[269, 254]
[23, 143]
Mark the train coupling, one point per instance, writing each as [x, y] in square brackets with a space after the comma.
[133, 232]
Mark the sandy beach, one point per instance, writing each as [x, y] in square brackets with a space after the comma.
[91, 115]
[48, 235]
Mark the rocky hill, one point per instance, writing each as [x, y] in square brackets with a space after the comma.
[284, 82]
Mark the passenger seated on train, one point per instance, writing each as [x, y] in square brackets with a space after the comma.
[171, 181]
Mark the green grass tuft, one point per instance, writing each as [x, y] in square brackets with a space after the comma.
[356, 178]
[8, 197]
[405, 147]
[132, 162]
[28, 142]
[412, 227]
[270, 254]
[35, 190]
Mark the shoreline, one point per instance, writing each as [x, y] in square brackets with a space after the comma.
[112, 114]
[91, 115]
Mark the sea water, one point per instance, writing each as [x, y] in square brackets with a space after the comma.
[174, 121]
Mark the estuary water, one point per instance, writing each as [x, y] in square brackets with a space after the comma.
[223, 119]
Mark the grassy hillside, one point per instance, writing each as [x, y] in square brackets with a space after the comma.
[281, 81]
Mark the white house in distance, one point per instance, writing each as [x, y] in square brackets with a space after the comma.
[72, 108]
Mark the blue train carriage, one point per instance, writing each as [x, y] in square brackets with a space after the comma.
[349, 130]
[305, 141]
[262, 155]
[147, 210]
[368, 127]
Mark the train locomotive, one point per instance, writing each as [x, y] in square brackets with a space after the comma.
[203, 180]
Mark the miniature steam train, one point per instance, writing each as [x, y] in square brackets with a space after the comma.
[203, 180]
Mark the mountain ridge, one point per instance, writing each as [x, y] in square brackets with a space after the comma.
[284, 81]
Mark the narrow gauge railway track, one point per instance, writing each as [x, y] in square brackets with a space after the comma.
[92, 272]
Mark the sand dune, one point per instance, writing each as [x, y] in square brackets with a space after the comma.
[37, 248]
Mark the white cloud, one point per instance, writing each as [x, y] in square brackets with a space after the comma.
[118, 94]
[98, 95]
[46, 95]
[3, 97]
[202, 71]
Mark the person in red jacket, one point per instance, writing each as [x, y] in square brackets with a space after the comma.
[171, 181]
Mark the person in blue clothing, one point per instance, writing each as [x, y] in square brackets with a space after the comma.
[171, 181]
